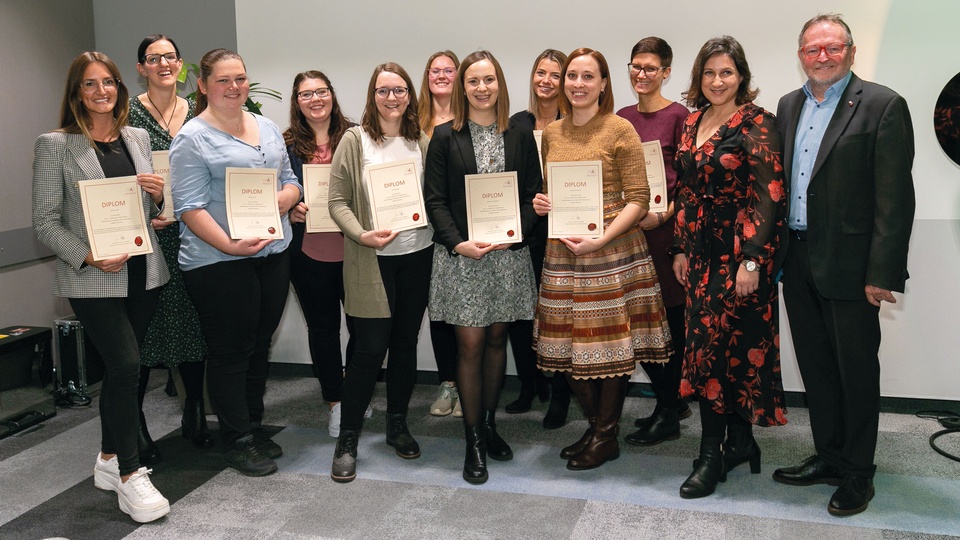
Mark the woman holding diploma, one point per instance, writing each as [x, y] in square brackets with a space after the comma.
[480, 286]
[113, 298]
[239, 286]
[543, 108]
[656, 118]
[730, 206]
[316, 259]
[599, 310]
[173, 338]
[436, 91]
[386, 272]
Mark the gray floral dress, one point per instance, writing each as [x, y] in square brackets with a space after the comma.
[497, 288]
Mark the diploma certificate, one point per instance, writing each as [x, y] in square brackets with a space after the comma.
[576, 194]
[251, 200]
[656, 176]
[538, 136]
[114, 217]
[161, 166]
[316, 184]
[493, 208]
[396, 196]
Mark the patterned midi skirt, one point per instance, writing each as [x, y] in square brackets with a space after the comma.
[599, 314]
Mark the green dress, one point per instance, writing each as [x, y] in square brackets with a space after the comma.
[173, 336]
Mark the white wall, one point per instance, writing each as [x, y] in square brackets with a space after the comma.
[909, 46]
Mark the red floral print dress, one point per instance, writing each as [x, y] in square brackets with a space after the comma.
[731, 206]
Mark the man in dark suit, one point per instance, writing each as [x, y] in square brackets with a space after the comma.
[848, 154]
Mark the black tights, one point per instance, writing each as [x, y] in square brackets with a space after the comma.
[715, 424]
[481, 362]
[191, 373]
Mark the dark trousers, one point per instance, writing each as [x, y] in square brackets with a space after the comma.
[319, 287]
[117, 326]
[406, 279]
[240, 304]
[443, 337]
[837, 344]
[665, 378]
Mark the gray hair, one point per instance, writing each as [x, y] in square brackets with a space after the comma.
[834, 18]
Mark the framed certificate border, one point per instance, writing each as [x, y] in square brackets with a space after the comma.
[114, 218]
[316, 184]
[493, 208]
[396, 196]
[576, 196]
[251, 201]
[656, 176]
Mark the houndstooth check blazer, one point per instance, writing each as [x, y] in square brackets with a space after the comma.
[60, 161]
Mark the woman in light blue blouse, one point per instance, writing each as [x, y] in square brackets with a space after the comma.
[239, 287]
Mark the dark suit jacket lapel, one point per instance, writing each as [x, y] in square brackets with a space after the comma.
[846, 108]
[464, 144]
[791, 119]
[511, 148]
[84, 155]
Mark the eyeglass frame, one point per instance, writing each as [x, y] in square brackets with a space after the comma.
[90, 86]
[383, 92]
[165, 56]
[823, 49]
[435, 72]
[307, 95]
[634, 69]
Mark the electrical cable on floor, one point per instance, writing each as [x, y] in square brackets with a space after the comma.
[950, 421]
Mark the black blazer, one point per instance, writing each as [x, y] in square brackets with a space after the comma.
[450, 157]
[860, 201]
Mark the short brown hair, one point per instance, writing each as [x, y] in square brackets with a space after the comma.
[370, 122]
[606, 96]
[73, 115]
[723, 45]
[657, 46]
[459, 105]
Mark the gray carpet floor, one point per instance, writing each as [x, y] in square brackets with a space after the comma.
[45, 476]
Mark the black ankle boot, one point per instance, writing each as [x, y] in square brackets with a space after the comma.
[709, 470]
[524, 401]
[475, 462]
[741, 447]
[398, 436]
[556, 416]
[146, 448]
[664, 427]
[497, 448]
[193, 424]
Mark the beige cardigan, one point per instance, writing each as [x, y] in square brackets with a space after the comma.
[363, 288]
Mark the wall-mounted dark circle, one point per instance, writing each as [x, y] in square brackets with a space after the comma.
[946, 119]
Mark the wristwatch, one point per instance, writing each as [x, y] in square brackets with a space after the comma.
[751, 266]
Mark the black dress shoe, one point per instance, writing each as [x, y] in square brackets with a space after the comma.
[665, 427]
[556, 416]
[683, 412]
[193, 424]
[812, 471]
[852, 497]
[524, 401]
[398, 436]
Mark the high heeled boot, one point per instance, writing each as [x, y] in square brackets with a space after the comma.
[193, 424]
[475, 460]
[148, 450]
[708, 471]
[740, 447]
[586, 394]
[497, 448]
[604, 445]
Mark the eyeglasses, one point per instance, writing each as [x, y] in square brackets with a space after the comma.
[435, 72]
[307, 95]
[832, 49]
[649, 71]
[154, 59]
[89, 86]
[399, 92]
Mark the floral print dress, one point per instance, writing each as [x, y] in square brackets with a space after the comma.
[731, 205]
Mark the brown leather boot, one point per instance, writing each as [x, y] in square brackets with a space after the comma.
[604, 446]
[587, 395]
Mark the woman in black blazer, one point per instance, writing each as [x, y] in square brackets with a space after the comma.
[477, 286]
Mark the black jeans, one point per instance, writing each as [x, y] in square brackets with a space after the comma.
[240, 304]
[406, 279]
[319, 287]
[116, 326]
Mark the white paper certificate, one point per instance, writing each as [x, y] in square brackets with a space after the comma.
[396, 196]
[538, 136]
[251, 199]
[576, 194]
[113, 215]
[316, 184]
[656, 176]
[493, 208]
[161, 166]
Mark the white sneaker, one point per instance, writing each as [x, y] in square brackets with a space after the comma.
[369, 412]
[446, 400]
[140, 499]
[333, 425]
[106, 473]
[457, 411]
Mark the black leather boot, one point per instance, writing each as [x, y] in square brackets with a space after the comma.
[556, 416]
[524, 401]
[398, 436]
[475, 461]
[740, 447]
[497, 448]
[146, 448]
[709, 470]
[193, 424]
[665, 427]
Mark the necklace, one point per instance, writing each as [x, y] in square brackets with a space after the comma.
[166, 124]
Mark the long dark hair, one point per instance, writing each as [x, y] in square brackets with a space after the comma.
[206, 68]
[73, 115]
[409, 125]
[300, 134]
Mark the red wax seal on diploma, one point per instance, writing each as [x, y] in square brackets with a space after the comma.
[416, 217]
[657, 199]
[138, 241]
[510, 233]
[592, 227]
[271, 230]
